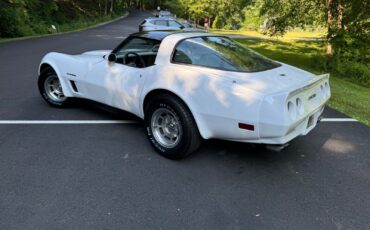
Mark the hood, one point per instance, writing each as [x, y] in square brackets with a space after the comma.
[282, 79]
[97, 52]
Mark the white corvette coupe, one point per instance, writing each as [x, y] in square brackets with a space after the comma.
[191, 86]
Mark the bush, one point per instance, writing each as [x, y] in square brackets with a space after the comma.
[217, 23]
[351, 58]
[10, 22]
[354, 71]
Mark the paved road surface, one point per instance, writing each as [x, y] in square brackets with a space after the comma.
[108, 176]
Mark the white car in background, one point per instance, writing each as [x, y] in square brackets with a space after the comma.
[191, 86]
[151, 24]
[164, 14]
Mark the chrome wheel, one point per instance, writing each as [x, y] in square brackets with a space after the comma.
[166, 127]
[53, 89]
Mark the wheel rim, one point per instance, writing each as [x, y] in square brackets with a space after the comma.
[53, 89]
[166, 127]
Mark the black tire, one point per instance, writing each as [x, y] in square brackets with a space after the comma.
[44, 76]
[190, 139]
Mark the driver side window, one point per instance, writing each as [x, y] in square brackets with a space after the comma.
[138, 52]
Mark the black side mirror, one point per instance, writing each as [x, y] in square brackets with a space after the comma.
[155, 48]
[182, 27]
[112, 57]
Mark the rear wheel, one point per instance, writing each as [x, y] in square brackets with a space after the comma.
[171, 128]
[51, 89]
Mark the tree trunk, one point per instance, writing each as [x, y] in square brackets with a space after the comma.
[111, 6]
[106, 8]
[340, 14]
[329, 6]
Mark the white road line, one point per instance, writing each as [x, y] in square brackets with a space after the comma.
[63, 122]
[338, 120]
[101, 122]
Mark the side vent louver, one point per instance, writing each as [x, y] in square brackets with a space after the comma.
[74, 87]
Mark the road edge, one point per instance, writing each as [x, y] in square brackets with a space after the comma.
[67, 32]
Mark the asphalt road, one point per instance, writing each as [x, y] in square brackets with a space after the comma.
[109, 177]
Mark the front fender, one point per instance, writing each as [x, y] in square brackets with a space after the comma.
[53, 60]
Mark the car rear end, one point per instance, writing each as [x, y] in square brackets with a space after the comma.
[143, 26]
[296, 112]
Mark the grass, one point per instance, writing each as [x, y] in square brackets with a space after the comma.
[289, 35]
[73, 26]
[347, 97]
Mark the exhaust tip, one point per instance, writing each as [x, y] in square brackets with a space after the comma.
[276, 148]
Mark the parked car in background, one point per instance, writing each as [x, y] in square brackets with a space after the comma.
[151, 24]
[191, 86]
[164, 13]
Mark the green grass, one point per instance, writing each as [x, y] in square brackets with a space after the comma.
[288, 35]
[73, 26]
[347, 97]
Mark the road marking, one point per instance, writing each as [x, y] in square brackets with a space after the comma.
[101, 122]
[64, 122]
[338, 120]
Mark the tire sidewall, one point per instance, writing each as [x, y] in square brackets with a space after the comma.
[45, 74]
[179, 150]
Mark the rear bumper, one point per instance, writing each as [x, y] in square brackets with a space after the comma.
[300, 128]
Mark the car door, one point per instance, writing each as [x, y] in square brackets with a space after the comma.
[117, 84]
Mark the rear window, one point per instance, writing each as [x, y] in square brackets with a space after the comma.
[160, 23]
[221, 53]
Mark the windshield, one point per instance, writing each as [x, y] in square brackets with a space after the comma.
[139, 46]
[221, 53]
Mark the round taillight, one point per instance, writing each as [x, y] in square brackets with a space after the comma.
[299, 105]
[327, 89]
[292, 110]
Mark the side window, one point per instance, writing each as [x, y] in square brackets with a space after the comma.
[160, 23]
[192, 51]
[145, 49]
[174, 24]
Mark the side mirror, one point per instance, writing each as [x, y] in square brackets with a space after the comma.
[155, 48]
[112, 57]
[182, 27]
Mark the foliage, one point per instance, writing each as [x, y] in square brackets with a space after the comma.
[217, 23]
[252, 18]
[228, 12]
[30, 17]
[347, 25]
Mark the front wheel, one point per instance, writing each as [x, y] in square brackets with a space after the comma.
[51, 89]
[171, 128]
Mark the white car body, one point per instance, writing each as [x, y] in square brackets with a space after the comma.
[223, 103]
